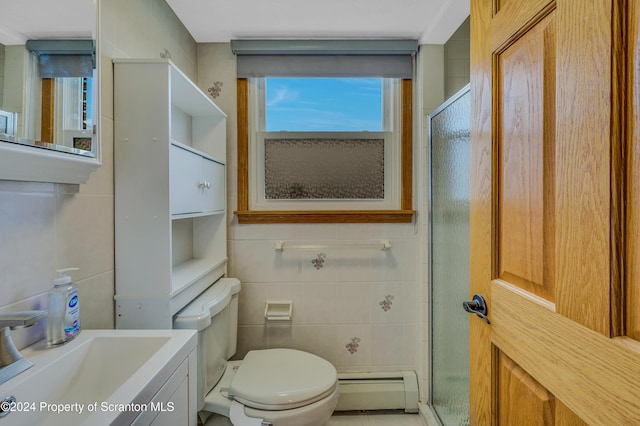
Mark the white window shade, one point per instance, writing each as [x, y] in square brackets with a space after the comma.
[324, 58]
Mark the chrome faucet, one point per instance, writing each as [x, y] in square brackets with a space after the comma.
[12, 362]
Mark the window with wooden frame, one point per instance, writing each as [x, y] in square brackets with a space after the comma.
[296, 175]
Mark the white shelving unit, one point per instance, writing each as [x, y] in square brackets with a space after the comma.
[170, 215]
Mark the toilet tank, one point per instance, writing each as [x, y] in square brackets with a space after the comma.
[214, 314]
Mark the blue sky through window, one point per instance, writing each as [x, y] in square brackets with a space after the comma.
[323, 104]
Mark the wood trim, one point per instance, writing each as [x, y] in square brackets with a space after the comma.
[325, 216]
[48, 97]
[560, 354]
[243, 143]
[407, 145]
[403, 215]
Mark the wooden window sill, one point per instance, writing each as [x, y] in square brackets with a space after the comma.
[324, 216]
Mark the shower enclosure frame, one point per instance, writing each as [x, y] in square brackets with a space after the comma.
[455, 97]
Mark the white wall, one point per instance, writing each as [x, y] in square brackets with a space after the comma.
[456, 60]
[145, 29]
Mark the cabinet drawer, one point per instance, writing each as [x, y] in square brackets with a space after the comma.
[197, 183]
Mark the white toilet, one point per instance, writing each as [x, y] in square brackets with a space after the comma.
[281, 387]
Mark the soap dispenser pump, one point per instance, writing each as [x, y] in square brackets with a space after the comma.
[63, 320]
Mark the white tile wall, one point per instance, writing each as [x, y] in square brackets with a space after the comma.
[27, 239]
[146, 29]
[341, 301]
[457, 65]
[44, 227]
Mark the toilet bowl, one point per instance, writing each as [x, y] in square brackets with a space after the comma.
[281, 387]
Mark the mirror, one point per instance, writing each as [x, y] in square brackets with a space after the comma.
[38, 106]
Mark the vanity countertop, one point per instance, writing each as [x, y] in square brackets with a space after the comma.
[100, 377]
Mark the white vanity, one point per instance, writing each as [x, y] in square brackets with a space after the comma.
[105, 377]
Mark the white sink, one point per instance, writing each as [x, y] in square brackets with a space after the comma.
[101, 377]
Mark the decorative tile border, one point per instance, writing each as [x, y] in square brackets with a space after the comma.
[352, 346]
[387, 302]
[318, 262]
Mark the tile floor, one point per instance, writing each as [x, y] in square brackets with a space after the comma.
[375, 419]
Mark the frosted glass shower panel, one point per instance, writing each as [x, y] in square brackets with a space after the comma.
[449, 133]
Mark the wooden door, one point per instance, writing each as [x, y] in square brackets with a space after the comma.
[554, 212]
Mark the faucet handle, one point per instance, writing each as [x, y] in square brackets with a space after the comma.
[21, 319]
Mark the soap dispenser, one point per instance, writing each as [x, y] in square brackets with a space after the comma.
[63, 320]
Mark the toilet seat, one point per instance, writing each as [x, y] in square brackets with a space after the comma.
[217, 410]
[282, 379]
[218, 402]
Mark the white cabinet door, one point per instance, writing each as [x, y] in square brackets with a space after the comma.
[213, 176]
[175, 411]
[197, 183]
[171, 404]
[186, 183]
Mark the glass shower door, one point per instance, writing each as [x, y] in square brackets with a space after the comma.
[449, 159]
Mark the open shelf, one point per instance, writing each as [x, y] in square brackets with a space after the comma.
[188, 272]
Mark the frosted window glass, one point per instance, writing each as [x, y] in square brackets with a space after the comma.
[324, 169]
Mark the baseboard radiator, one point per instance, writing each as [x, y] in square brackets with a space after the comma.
[378, 391]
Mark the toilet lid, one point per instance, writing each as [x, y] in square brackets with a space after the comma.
[282, 379]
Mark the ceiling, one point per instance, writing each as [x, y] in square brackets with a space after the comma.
[429, 21]
[21, 20]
